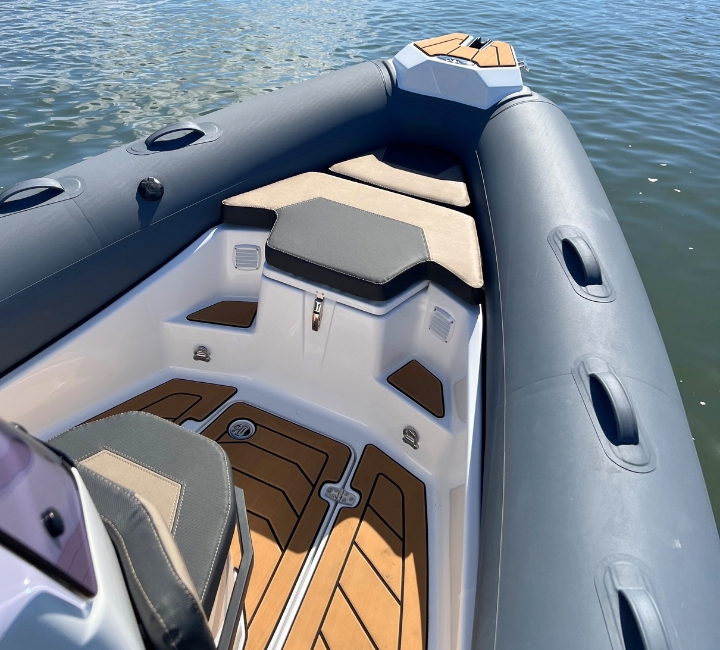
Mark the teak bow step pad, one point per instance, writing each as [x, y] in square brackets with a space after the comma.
[369, 590]
[495, 54]
[281, 469]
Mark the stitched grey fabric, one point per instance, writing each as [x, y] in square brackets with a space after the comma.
[171, 615]
[339, 245]
[205, 518]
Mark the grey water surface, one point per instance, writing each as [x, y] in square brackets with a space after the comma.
[638, 80]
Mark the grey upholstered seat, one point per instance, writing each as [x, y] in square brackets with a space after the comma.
[167, 499]
[361, 239]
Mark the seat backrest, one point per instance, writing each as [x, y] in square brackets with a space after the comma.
[162, 592]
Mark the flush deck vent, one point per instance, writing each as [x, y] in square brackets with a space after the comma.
[246, 257]
[442, 324]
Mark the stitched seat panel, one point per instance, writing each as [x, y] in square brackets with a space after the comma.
[204, 512]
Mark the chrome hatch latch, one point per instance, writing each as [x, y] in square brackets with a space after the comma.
[317, 311]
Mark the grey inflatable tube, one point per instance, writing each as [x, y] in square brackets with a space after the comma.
[64, 260]
[596, 527]
[588, 540]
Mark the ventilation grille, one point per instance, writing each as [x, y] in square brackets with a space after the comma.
[247, 257]
[442, 324]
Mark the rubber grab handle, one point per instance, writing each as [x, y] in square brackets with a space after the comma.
[625, 420]
[647, 618]
[590, 265]
[32, 184]
[173, 128]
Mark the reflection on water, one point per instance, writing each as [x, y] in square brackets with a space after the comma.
[638, 81]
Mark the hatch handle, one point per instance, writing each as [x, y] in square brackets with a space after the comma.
[590, 268]
[625, 421]
[173, 128]
[646, 617]
[32, 184]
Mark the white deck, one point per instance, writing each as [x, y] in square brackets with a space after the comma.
[332, 381]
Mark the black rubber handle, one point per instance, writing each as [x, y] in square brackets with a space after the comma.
[647, 618]
[625, 420]
[32, 184]
[173, 128]
[590, 265]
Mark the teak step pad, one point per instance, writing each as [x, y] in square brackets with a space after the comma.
[231, 313]
[421, 386]
[281, 469]
[370, 587]
[177, 400]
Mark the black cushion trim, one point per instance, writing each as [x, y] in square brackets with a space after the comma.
[248, 216]
[170, 614]
[342, 282]
[205, 518]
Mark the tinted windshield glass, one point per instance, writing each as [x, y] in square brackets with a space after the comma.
[41, 516]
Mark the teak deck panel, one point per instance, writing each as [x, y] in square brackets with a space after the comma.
[177, 400]
[281, 468]
[230, 313]
[416, 382]
[441, 39]
[369, 590]
[370, 587]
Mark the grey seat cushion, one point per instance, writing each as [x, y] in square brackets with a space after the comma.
[341, 246]
[186, 477]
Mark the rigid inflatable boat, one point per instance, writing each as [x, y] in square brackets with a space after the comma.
[361, 363]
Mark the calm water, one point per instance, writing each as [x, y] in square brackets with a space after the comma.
[639, 81]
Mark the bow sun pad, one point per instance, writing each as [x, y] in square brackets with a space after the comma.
[360, 239]
[417, 171]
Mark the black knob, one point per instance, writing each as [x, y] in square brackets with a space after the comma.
[53, 522]
[151, 189]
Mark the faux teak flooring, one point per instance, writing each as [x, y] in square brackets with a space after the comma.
[369, 590]
[281, 469]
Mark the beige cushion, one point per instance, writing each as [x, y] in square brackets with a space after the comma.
[450, 235]
[441, 180]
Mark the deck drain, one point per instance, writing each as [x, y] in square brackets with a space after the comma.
[241, 429]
